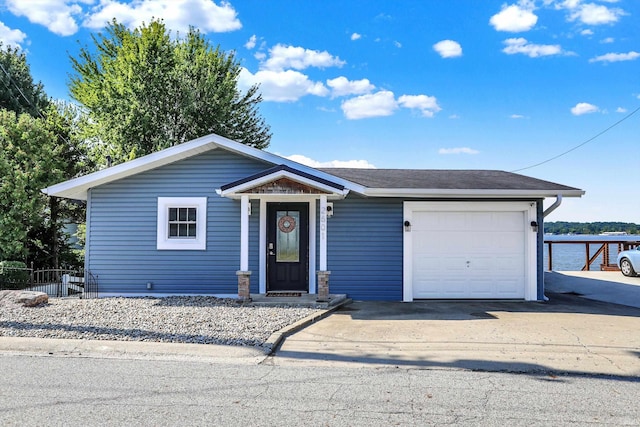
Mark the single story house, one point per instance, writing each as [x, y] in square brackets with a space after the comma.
[216, 217]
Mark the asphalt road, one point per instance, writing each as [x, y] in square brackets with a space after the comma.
[77, 391]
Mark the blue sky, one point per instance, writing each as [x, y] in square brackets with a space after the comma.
[457, 84]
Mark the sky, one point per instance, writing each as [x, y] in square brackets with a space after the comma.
[418, 84]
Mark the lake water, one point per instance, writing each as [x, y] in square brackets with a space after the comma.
[571, 257]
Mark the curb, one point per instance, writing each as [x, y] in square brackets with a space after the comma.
[275, 340]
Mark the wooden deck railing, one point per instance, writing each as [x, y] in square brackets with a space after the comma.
[604, 250]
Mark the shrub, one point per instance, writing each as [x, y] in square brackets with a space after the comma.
[13, 275]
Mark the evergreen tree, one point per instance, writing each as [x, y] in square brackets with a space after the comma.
[18, 92]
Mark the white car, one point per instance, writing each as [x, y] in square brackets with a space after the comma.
[629, 262]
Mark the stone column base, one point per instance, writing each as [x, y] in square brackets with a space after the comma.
[244, 282]
[323, 285]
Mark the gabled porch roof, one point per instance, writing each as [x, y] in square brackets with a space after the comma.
[283, 180]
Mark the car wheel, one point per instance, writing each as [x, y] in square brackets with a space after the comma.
[626, 267]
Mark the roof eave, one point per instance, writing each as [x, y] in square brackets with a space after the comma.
[469, 193]
[77, 188]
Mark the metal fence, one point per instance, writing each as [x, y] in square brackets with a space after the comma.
[55, 282]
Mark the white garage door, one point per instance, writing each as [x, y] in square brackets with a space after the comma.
[469, 254]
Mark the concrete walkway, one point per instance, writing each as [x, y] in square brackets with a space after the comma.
[607, 286]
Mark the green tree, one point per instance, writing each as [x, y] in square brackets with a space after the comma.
[18, 92]
[146, 90]
[35, 153]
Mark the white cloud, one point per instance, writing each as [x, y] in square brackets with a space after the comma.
[607, 40]
[178, 15]
[584, 108]
[11, 37]
[379, 104]
[516, 116]
[282, 57]
[515, 18]
[428, 105]
[359, 164]
[521, 45]
[454, 116]
[593, 14]
[356, 36]
[586, 32]
[616, 57]
[281, 86]
[251, 43]
[448, 48]
[57, 15]
[341, 86]
[458, 150]
[621, 110]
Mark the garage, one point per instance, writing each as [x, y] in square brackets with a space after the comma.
[469, 250]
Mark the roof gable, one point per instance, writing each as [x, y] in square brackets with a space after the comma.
[77, 188]
[283, 180]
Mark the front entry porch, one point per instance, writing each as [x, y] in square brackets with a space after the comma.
[294, 208]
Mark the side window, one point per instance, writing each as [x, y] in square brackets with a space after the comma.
[182, 223]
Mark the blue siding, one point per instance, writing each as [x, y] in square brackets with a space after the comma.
[364, 248]
[122, 229]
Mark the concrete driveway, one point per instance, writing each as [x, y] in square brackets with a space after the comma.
[568, 334]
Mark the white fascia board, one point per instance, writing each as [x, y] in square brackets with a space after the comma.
[77, 188]
[233, 192]
[419, 192]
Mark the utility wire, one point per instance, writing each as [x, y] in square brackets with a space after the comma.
[580, 145]
[12, 81]
[20, 90]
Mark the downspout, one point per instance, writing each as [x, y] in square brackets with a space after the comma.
[546, 212]
[554, 206]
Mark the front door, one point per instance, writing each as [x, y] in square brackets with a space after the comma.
[288, 247]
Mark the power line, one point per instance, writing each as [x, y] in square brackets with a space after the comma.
[37, 110]
[583, 143]
[20, 90]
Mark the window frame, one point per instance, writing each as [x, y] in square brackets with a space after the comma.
[164, 242]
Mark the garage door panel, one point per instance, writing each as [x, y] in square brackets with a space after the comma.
[507, 221]
[468, 254]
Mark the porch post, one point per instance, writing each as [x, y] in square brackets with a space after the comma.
[323, 233]
[323, 274]
[244, 275]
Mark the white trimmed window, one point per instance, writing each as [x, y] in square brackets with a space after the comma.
[182, 223]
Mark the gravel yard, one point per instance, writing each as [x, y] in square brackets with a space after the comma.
[201, 320]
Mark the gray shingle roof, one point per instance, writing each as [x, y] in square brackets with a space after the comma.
[444, 179]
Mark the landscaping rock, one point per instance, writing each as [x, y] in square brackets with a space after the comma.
[180, 319]
[26, 298]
